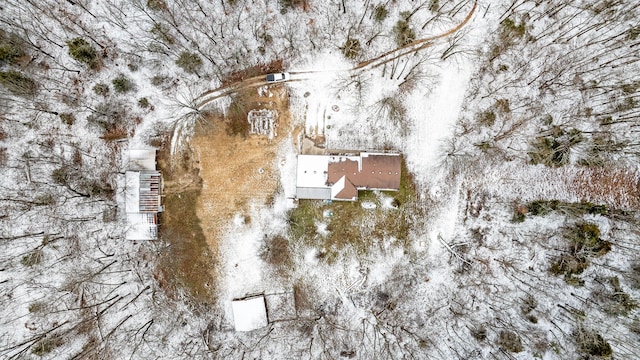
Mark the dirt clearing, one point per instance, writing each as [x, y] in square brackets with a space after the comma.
[238, 169]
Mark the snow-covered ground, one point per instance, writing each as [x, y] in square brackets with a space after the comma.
[523, 82]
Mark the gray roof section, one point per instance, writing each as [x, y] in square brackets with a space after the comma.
[313, 193]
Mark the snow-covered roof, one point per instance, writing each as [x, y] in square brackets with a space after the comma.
[312, 171]
[132, 191]
[249, 313]
[141, 227]
[142, 159]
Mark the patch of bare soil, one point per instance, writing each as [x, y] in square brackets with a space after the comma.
[274, 66]
[238, 169]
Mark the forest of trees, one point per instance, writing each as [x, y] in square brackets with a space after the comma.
[542, 164]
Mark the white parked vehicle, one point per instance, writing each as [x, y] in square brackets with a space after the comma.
[277, 77]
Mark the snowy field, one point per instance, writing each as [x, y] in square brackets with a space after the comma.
[514, 235]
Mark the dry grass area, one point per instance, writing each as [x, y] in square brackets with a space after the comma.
[187, 263]
[223, 171]
[616, 187]
[238, 169]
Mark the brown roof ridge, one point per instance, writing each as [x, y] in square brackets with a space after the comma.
[349, 191]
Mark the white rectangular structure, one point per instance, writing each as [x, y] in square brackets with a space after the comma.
[142, 195]
[249, 313]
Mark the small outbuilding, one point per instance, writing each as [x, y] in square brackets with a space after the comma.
[249, 313]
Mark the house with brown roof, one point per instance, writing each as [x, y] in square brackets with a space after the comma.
[339, 177]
